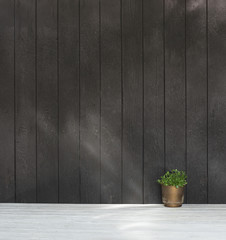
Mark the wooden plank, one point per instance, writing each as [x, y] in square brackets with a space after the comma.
[132, 101]
[153, 99]
[217, 101]
[196, 58]
[25, 101]
[89, 101]
[7, 181]
[69, 101]
[110, 102]
[47, 105]
[175, 144]
[118, 222]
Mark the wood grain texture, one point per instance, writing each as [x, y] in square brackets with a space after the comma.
[111, 124]
[25, 100]
[217, 101]
[132, 101]
[99, 97]
[90, 101]
[47, 105]
[7, 177]
[175, 136]
[118, 222]
[69, 189]
[153, 19]
[196, 58]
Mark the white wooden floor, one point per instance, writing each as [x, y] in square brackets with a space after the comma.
[111, 222]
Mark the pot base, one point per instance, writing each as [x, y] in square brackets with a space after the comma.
[172, 205]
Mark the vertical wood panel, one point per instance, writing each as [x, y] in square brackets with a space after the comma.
[217, 101]
[47, 112]
[107, 55]
[7, 186]
[25, 101]
[175, 84]
[153, 99]
[132, 101]
[90, 101]
[110, 102]
[69, 101]
[196, 101]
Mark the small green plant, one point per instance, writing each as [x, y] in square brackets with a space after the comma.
[173, 178]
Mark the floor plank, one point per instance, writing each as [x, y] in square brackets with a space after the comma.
[134, 222]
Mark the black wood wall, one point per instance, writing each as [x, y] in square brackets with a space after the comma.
[99, 97]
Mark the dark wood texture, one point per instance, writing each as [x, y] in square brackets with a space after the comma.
[7, 177]
[132, 77]
[111, 124]
[153, 16]
[175, 129]
[196, 58]
[216, 101]
[47, 102]
[25, 93]
[69, 101]
[90, 101]
[99, 97]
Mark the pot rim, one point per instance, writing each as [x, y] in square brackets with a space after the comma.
[173, 186]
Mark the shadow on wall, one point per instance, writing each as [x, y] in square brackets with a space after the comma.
[91, 180]
[92, 184]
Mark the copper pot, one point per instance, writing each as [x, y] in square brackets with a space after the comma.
[172, 196]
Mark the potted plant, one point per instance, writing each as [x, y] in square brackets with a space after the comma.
[173, 183]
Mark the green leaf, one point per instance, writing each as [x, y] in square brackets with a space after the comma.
[173, 178]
